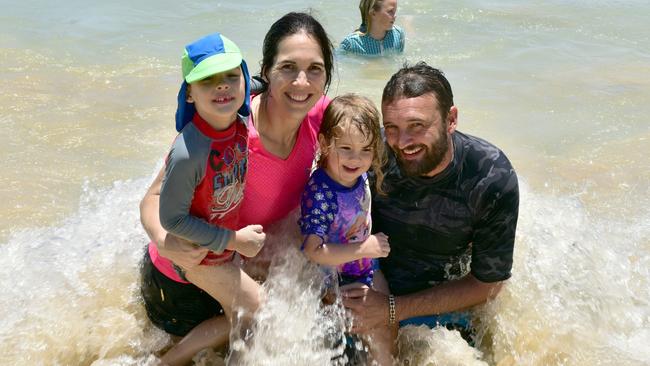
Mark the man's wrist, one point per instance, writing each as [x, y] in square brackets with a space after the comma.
[391, 310]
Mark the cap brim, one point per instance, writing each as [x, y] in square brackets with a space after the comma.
[214, 65]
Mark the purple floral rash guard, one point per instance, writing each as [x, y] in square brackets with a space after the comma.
[338, 215]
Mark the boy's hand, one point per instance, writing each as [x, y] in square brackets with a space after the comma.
[376, 246]
[249, 240]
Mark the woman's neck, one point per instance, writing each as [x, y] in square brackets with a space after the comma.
[278, 131]
[377, 33]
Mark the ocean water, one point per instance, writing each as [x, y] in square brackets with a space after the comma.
[86, 108]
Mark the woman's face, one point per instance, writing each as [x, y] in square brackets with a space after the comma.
[384, 18]
[297, 77]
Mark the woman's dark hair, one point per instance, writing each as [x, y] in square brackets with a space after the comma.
[294, 23]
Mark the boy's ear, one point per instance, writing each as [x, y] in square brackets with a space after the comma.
[188, 97]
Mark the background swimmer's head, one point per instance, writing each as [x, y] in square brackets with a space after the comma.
[295, 23]
[383, 11]
[353, 111]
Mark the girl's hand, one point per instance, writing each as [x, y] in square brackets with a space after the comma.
[376, 246]
[249, 240]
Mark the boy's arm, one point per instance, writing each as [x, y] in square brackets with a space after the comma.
[375, 246]
[183, 173]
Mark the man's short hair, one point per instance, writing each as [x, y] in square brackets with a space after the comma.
[417, 80]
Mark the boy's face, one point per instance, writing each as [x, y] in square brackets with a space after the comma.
[218, 97]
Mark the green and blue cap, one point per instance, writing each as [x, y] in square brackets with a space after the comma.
[205, 57]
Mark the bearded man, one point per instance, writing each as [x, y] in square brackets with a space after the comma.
[450, 212]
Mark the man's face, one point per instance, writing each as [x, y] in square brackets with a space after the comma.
[417, 133]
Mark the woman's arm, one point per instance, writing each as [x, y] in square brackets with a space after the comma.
[179, 251]
[149, 211]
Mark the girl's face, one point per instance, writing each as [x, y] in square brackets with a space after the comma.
[384, 18]
[349, 157]
[297, 78]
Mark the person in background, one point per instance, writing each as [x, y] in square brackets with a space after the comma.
[335, 209]
[377, 33]
[450, 212]
[297, 65]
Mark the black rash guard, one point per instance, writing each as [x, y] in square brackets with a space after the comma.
[461, 220]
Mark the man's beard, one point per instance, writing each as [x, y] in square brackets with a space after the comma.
[433, 156]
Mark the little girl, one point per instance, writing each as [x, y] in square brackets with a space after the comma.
[335, 208]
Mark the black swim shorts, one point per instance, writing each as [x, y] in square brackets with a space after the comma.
[172, 306]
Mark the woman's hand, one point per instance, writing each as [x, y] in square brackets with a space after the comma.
[183, 253]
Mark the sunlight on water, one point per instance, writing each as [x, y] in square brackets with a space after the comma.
[73, 294]
[292, 328]
[579, 293]
[72, 290]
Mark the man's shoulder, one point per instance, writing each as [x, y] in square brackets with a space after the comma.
[486, 171]
[479, 155]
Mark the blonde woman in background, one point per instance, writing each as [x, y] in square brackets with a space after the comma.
[377, 33]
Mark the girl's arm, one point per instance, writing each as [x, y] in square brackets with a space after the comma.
[376, 246]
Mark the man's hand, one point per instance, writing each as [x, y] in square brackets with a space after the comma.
[376, 246]
[249, 240]
[369, 308]
[183, 253]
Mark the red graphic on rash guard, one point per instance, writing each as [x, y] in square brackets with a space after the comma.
[228, 178]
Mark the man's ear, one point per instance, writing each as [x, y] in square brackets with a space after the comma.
[188, 97]
[452, 119]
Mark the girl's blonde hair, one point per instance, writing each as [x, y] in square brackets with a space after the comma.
[352, 110]
[365, 6]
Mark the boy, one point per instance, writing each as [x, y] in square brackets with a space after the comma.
[204, 172]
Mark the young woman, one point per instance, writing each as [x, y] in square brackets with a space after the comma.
[377, 33]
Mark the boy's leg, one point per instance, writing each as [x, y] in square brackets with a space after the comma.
[229, 285]
[210, 333]
[184, 311]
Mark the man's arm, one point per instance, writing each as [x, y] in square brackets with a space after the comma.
[371, 309]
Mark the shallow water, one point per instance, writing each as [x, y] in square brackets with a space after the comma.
[87, 106]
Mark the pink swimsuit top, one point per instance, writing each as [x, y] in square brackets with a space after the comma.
[273, 186]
